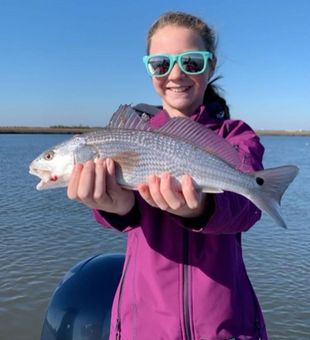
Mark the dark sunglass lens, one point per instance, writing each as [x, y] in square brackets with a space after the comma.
[159, 65]
[193, 63]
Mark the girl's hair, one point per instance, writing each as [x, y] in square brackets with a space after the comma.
[208, 36]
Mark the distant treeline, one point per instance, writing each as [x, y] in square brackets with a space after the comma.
[63, 129]
[55, 129]
[283, 132]
[70, 127]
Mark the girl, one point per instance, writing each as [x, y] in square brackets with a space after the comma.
[184, 276]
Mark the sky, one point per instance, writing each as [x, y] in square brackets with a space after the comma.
[73, 62]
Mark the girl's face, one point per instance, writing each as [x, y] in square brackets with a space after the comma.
[181, 93]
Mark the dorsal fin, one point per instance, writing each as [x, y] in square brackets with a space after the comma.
[182, 128]
[127, 118]
[202, 137]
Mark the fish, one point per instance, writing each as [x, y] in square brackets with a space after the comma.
[180, 147]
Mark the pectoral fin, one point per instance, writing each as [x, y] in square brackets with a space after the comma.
[212, 190]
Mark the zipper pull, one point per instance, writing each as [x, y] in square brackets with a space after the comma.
[118, 329]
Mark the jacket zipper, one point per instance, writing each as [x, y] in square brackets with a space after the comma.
[118, 320]
[186, 313]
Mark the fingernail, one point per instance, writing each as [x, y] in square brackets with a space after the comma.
[154, 179]
[109, 164]
[99, 161]
[166, 175]
[78, 167]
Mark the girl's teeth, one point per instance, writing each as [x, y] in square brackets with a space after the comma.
[179, 89]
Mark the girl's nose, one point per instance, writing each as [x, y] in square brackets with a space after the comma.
[176, 72]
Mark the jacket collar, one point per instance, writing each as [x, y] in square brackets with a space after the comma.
[212, 113]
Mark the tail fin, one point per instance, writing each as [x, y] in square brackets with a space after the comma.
[272, 185]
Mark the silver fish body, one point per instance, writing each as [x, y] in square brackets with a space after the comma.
[140, 152]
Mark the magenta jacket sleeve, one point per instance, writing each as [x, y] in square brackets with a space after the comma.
[121, 223]
[233, 213]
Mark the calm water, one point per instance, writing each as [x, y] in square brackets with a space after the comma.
[43, 234]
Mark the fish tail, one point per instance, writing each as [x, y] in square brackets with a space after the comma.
[272, 183]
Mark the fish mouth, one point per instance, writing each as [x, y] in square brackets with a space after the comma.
[44, 175]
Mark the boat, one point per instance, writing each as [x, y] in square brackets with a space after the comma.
[80, 306]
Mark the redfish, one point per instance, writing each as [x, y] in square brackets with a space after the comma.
[180, 147]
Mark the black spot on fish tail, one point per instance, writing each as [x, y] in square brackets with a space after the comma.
[259, 180]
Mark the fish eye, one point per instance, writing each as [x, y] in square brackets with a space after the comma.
[49, 155]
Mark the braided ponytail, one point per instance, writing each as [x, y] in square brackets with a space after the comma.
[212, 96]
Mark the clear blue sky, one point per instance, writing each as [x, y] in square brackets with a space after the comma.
[73, 62]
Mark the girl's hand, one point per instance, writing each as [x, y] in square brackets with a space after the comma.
[94, 184]
[162, 192]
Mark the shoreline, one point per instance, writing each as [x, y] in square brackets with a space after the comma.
[283, 132]
[44, 130]
[79, 130]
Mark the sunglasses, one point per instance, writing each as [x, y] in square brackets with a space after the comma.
[192, 63]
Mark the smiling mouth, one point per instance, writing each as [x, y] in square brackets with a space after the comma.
[180, 89]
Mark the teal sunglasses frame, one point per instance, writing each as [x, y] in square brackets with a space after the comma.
[177, 58]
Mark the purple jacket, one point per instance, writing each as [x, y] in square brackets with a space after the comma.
[185, 278]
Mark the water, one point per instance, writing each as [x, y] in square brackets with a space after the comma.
[43, 234]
